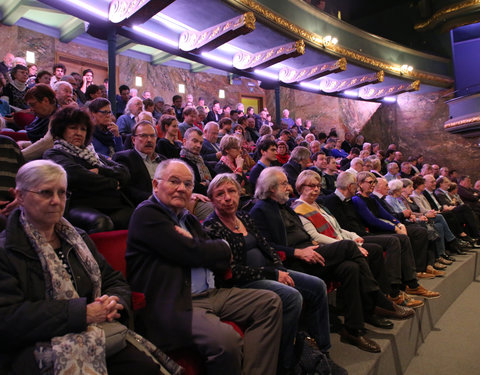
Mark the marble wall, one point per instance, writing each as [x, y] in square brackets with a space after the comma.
[414, 123]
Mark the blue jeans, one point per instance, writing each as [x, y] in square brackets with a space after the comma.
[313, 291]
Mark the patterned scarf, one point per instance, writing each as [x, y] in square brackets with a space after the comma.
[319, 222]
[73, 353]
[228, 162]
[197, 159]
[86, 153]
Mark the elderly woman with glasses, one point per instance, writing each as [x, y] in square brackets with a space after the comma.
[256, 265]
[58, 294]
[98, 203]
[106, 138]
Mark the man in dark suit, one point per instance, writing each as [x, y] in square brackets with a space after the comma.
[299, 160]
[210, 149]
[141, 161]
[170, 259]
[216, 113]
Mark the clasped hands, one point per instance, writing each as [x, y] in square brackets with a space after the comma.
[104, 309]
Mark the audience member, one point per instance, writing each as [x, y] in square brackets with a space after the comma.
[183, 306]
[106, 137]
[97, 203]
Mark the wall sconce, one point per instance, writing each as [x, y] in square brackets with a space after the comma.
[30, 57]
[181, 88]
[221, 94]
[138, 81]
[329, 41]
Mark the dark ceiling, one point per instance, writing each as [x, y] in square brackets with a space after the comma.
[394, 20]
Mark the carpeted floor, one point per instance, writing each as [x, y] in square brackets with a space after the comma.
[453, 346]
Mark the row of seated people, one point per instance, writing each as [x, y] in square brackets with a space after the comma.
[77, 134]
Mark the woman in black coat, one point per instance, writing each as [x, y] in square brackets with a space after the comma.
[98, 202]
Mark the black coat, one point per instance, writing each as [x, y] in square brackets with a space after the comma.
[292, 169]
[159, 262]
[346, 214]
[95, 190]
[266, 214]
[140, 186]
[26, 317]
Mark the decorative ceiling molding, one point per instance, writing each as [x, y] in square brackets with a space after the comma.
[130, 12]
[473, 119]
[248, 61]
[333, 85]
[317, 41]
[211, 38]
[291, 75]
[370, 93]
[446, 13]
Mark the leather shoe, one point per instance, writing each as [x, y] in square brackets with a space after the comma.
[399, 312]
[378, 321]
[359, 341]
[448, 257]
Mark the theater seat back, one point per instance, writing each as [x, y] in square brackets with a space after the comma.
[112, 245]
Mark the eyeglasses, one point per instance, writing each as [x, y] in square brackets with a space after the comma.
[49, 194]
[371, 182]
[105, 112]
[313, 186]
[176, 182]
[145, 136]
[284, 183]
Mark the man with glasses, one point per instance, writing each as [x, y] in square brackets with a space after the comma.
[171, 259]
[141, 161]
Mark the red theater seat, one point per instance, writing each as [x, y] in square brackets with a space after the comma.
[16, 136]
[113, 245]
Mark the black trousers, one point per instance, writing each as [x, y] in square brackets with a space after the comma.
[131, 361]
[399, 259]
[346, 264]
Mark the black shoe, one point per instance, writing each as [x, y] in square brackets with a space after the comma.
[448, 257]
[360, 341]
[378, 322]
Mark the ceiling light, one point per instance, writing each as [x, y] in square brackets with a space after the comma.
[89, 7]
[351, 93]
[329, 41]
[217, 59]
[156, 36]
[309, 85]
[266, 74]
[405, 69]
[389, 99]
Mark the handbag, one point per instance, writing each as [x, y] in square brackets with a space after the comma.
[312, 360]
[115, 337]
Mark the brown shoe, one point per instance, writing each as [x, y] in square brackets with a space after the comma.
[444, 261]
[421, 291]
[359, 341]
[404, 300]
[425, 275]
[399, 312]
[439, 266]
[434, 272]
